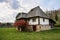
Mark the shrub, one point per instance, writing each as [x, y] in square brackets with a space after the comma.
[21, 24]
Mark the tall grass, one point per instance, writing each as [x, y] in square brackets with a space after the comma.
[13, 34]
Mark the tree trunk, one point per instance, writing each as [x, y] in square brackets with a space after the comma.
[19, 29]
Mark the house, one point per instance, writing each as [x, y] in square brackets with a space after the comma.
[37, 19]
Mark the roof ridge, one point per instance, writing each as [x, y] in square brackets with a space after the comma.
[33, 8]
[40, 12]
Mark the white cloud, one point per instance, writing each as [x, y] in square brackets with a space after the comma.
[50, 4]
[5, 13]
[8, 11]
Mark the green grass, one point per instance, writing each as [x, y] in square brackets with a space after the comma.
[12, 34]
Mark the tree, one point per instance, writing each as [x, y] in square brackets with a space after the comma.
[56, 17]
[21, 24]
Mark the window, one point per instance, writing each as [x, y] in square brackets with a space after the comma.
[34, 19]
[43, 19]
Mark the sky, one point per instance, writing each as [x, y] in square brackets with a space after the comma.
[10, 8]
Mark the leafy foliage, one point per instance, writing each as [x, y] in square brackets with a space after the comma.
[56, 17]
[20, 23]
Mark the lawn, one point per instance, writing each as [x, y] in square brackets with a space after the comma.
[12, 34]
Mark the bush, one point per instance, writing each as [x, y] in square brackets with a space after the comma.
[57, 25]
[21, 24]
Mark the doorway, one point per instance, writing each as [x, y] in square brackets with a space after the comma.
[34, 27]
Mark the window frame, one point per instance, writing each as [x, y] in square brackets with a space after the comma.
[34, 19]
[43, 19]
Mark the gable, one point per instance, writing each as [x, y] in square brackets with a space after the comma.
[37, 11]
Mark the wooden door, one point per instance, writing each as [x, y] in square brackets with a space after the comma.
[34, 28]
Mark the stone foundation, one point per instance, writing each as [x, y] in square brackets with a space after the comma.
[38, 28]
[30, 28]
[17, 29]
[45, 27]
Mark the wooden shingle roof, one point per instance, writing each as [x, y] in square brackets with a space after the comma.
[37, 11]
[21, 15]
